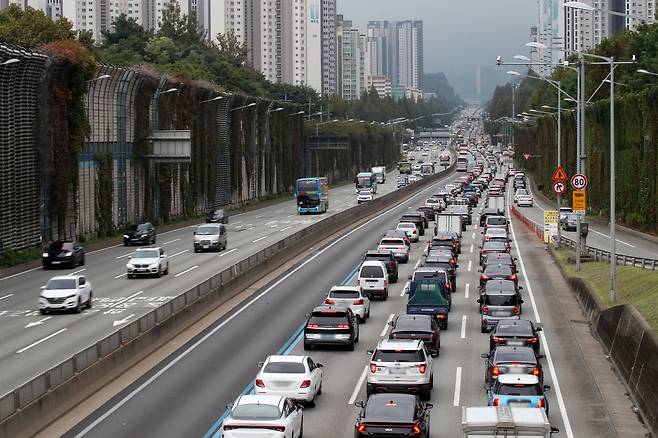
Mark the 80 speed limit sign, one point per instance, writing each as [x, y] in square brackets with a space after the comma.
[578, 181]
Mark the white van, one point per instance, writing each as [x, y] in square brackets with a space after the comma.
[373, 279]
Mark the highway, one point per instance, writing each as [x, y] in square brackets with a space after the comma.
[186, 394]
[599, 235]
[33, 343]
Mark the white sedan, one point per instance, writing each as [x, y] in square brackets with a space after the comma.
[525, 201]
[263, 416]
[66, 292]
[295, 377]
[352, 297]
[364, 196]
[410, 229]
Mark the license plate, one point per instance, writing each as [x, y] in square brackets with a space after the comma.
[516, 343]
[500, 314]
[56, 263]
[206, 246]
[516, 370]
[519, 404]
[398, 371]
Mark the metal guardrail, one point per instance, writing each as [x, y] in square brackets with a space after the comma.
[600, 255]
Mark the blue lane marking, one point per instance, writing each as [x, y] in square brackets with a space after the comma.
[289, 345]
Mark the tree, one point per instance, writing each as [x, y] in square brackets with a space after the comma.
[180, 28]
[161, 50]
[228, 43]
[32, 28]
[127, 32]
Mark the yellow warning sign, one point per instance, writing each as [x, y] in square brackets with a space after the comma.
[550, 225]
[579, 201]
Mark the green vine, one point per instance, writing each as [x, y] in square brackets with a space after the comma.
[104, 193]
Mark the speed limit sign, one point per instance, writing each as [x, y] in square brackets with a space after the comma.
[578, 181]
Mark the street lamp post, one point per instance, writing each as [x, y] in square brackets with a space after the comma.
[317, 126]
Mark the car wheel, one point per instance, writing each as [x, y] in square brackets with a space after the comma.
[307, 346]
[368, 313]
[46, 267]
[43, 311]
[89, 300]
[426, 394]
[82, 260]
[159, 273]
[166, 271]
[350, 347]
[483, 329]
[320, 390]
[385, 295]
[301, 430]
[73, 264]
[362, 320]
[196, 249]
[78, 307]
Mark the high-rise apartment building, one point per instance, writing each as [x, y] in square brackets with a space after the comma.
[639, 11]
[329, 48]
[353, 72]
[410, 54]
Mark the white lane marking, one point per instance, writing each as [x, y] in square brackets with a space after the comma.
[471, 250]
[121, 275]
[178, 253]
[171, 241]
[286, 228]
[404, 289]
[237, 313]
[463, 333]
[122, 321]
[551, 366]
[39, 322]
[475, 227]
[620, 241]
[20, 273]
[470, 265]
[228, 252]
[259, 239]
[6, 296]
[34, 344]
[358, 386]
[274, 226]
[104, 249]
[468, 286]
[417, 263]
[390, 318]
[458, 386]
[123, 300]
[125, 255]
[473, 236]
[186, 271]
[78, 271]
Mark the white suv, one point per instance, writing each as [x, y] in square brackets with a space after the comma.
[400, 366]
[66, 292]
[410, 229]
[352, 297]
[148, 261]
[373, 279]
[397, 246]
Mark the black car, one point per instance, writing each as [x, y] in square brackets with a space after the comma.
[515, 333]
[500, 258]
[489, 212]
[511, 360]
[63, 253]
[394, 416]
[497, 272]
[217, 216]
[429, 212]
[500, 285]
[139, 234]
[417, 219]
[492, 248]
[444, 241]
[331, 325]
[416, 327]
[389, 260]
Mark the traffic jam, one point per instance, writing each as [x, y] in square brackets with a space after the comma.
[396, 394]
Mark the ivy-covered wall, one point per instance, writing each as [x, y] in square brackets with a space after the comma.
[636, 138]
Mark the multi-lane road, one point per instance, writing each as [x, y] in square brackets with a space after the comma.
[33, 343]
[186, 394]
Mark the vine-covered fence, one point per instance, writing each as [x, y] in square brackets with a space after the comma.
[241, 148]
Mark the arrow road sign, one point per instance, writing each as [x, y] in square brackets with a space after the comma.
[39, 322]
[559, 187]
[578, 181]
[560, 174]
[122, 321]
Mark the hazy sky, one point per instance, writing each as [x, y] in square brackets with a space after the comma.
[459, 35]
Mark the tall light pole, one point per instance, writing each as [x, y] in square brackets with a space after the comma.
[513, 101]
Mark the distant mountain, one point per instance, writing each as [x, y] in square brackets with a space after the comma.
[438, 83]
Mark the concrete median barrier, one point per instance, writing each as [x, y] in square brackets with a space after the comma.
[30, 408]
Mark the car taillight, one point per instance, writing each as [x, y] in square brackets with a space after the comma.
[343, 326]
[495, 371]
[311, 326]
[484, 277]
[452, 261]
[305, 384]
[485, 310]
[532, 341]
[277, 428]
[422, 368]
[536, 372]
[358, 302]
[373, 368]
[513, 277]
[541, 403]
[361, 427]
[416, 430]
[448, 285]
[442, 316]
[260, 383]
[499, 341]
[517, 310]
[329, 301]
[496, 402]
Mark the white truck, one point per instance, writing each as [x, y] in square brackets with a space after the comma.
[380, 174]
[505, 422]
[449, 222]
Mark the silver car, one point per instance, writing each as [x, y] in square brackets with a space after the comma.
[352, 297]
[499, 305]
[148, 261]
[400, 366]
[210, 237]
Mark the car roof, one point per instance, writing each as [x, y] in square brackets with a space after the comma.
[498, 267]
[518, 379]
[147, 248]
[349, 288]
[524, 323]
[286, 358]
[273, 400]
[372, 263]
[408, 324]
[334, 308]
[378, 252]
[399, 344]
[66, 277]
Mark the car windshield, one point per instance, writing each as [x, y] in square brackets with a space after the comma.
[257, 411]
[140, 227]
[61, 283]
[504, 259]
[499, 270]
[146, 254]
[531, 390]
[398, 356]
[384, 407]
[207, 231]
[344, 294]
[495, 246]
[493, 220]
[307, 185]
[406, 225]
[501, 300]
[514, 354]
[285, 368]
[505, 285]
[331, 320]
[371, 272]
[395, 242]
[513, 330]
[572, 217]
[521, 192]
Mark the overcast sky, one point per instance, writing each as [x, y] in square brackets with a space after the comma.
[459, 35]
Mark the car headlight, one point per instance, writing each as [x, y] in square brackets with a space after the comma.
[153, 265]
[70, 296]
[129, 266]
[45, 254]
[68, 253]
[125, 236]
